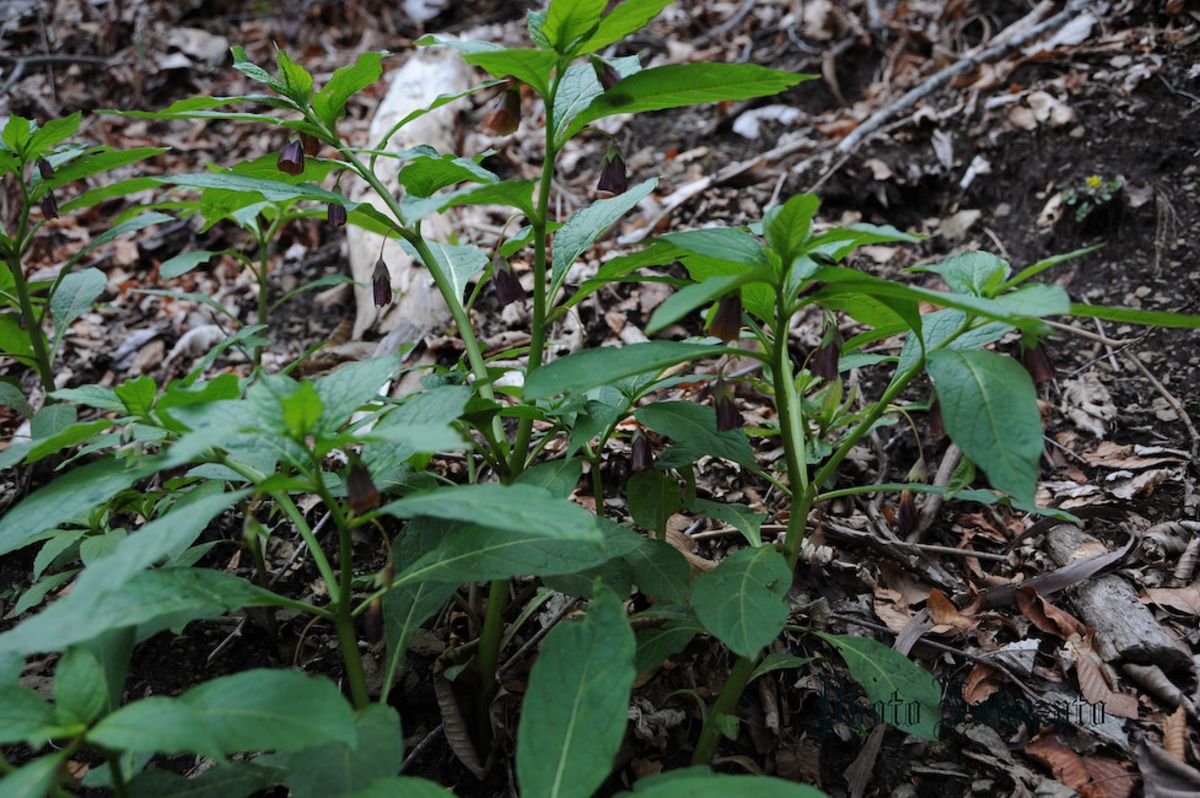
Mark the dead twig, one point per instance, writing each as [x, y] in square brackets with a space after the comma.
[933, 502]
[1175, 404]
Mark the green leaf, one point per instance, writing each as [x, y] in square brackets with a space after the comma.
[657, 643]
[184, 262]
[34, 780]
[513, 193]
[100, 162]
[585, 225]
[889, 677]
[254, 71]
[16, 134]
[1037, 299]
[989, 407]
[590, 368]
[509, 507]
[1053, 260]
[402, 787]
[271, 190]
[229, 780]
[80, 689]
[978, 273]
[302, 409]
[52, 132]
[576, 90]
[743, 601]
[1151, 318]
[159, 725]
[11, 396]
[787, 226]
[50, 421]
[525, 64]
[336, 769]
[76, 433]
[739, 516]
[404, 610]
[653, 498]
[272, 709]
[569, 20]
[137, 396]
[721, 243]
[14, 338]
[25, 716]
[693, 427]
[557, 476]
[574, 713]
[330, 101]
[297, 81]
[700, 782]
[778, 661]
[439, 101]
[696, 295]
[74, 297]
[62, 500]
[677, 85]
[460, 262]
[659, 570]
[348, 388]
[628, 17]
[427, 174]
[96, 396]
[476, 553]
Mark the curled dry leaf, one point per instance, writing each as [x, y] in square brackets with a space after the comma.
[946, 615]
[1091, 777]
[1113, 455]
[1088, 403]
[1183, 599]
[1187, 563]
[980, 684]
[1094, 686]
[1152, 679]
[1047, 617]
[1124, 485]
[1175, 734]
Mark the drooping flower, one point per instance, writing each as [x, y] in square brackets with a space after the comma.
[727, 321]
[605, 73]
[505, 285]
[1037, 362]
[728, 415]
[49, 206]
[824, 361]
[361, 492]
[907, 517]
[291, 158]
[336, 214]
[382, 284]
[642, 458]
[505, 114]
[612, 173]
[45, 169]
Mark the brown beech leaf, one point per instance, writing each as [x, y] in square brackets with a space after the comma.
[1175, 733]
[1064, 763]
[1047, 617]
[980, 684]
[1109, 779]
[1184, 599]
[946, 614]
[1093, 684]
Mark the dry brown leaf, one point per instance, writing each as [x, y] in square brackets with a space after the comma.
[1047, 617]
[891, 608]
[1184, 599]
[455, 728]
[1095, 687]
[1113, 455]
[1175, 734]
[946, 614]
[1151, 679]
[1125, 485]
[1109, 779]
[1064, 763]
[980, 684]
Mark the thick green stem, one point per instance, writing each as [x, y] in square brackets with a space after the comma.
[37, 339]
[791, 429]
[726, 702]
[488, 658]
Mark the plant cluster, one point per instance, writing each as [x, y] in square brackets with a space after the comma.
[144, 475]
[1093, 194]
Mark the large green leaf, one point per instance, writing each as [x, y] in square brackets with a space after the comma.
[74, 297]
[346, 389]
[525, 64]
[431, 172]
[337, 769]
[739, 516]
[677, 85]
[585, 225]
[402, 787]
[653, 497]
[693, 428]
[727, 244]
[62, 500]
[893, 681]
[229, 780]
[330, 101]
[272, 190]
[569, 20]
[513, 507]
[405, 608]
[628, 17]
[978, 273]
[656, 643]
[459, 262]
[477, 553]
[743, 601]
[157, 725]
[575, 710]
[787, 226]
[694, 296]
[590, 368]
[101, 162]
[700, 782]
[989, 407]
[24, 716]
[35, 779]
[272, 709]
[80, 690]
[659, 570]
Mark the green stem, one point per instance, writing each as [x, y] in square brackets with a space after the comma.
[37, 339]
[537, 342]
[488, 658]
[791, 428]
[726, 702]
[118, 778]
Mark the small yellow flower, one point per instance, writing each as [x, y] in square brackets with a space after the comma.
[1094, 181]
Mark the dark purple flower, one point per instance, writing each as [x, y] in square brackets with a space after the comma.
[612, 174]
[49, 206]
[937, 430]
[291, 158]
[45, 169]
[907, 520]
[336, 214]
[605, 73]
[505, 284]
[361, 492]
[728, 415]
[310, 144]
[727, 321]
[373, 621]
[642, 458]
[824, 361]
[382, 283]
[1037, 362]
[505, 114]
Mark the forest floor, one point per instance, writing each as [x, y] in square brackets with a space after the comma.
[980, 163]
